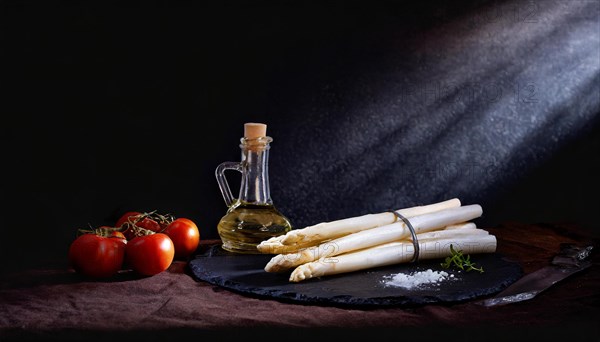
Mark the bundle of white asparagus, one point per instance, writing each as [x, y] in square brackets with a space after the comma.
[375, 240]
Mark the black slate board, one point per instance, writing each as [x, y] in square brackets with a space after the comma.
[245, 274]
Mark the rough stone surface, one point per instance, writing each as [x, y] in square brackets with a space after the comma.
[245, 274]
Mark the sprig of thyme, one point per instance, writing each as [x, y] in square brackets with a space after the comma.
[459, 260]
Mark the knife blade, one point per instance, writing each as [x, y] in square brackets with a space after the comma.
[570, 260]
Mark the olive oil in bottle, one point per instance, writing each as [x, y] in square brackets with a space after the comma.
[252, 217]
[245, 225]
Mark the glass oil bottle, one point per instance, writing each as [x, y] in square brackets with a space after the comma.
[252, 217]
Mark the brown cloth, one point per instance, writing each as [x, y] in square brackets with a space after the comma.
[58, 303]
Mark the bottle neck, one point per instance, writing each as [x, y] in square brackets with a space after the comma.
[255, 175]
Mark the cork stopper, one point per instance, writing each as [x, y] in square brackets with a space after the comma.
[254, 130]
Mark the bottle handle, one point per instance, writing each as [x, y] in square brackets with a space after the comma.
[222, 181]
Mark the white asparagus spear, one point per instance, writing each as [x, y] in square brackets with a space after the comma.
[374, 236]
[297, 239]
[445, 234]
[453, 230]
[435, 235]
[394, 253]
[464, 225]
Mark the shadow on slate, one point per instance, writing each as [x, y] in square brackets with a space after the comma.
[245, 274]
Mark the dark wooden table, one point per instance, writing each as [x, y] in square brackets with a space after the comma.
[55, 303]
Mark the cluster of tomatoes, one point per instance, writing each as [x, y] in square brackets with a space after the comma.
[146, 243]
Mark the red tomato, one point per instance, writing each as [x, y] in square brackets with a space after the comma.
[150, 254]
[185, 236]
[96, 256]
[149, 224]
[125, 217]
[146, 223]
[119, 236]
[110, 232]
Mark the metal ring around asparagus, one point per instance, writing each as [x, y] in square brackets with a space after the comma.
[415, 241]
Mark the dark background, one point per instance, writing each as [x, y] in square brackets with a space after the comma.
[113, 106]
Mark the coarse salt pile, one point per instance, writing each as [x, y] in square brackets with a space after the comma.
[415, 279]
